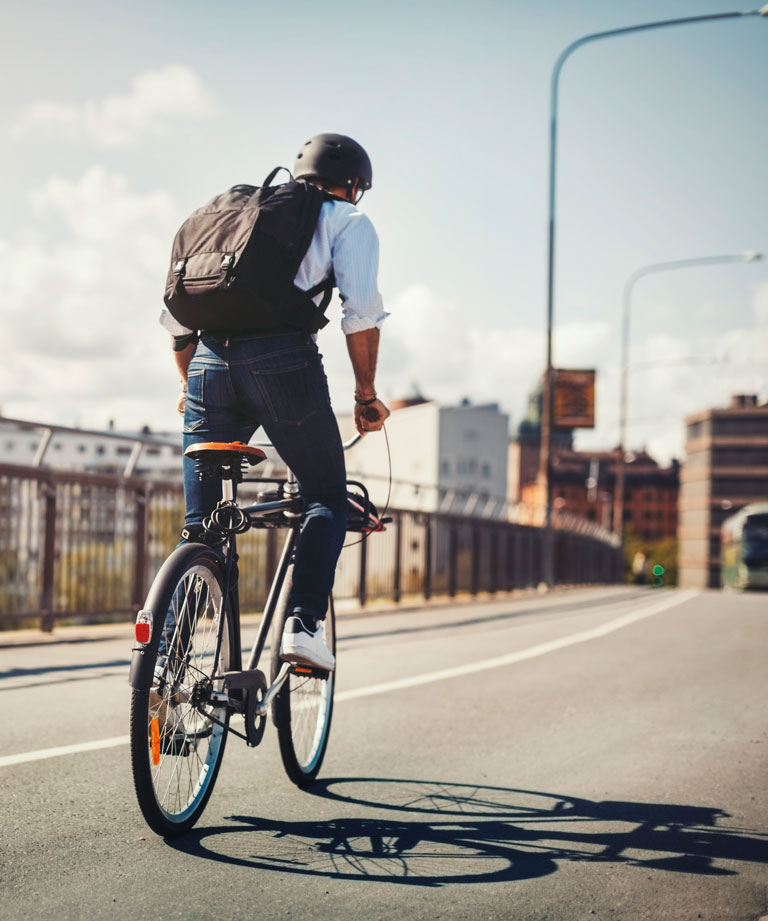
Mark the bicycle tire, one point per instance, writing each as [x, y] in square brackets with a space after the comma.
[303, 708]
[176, 750]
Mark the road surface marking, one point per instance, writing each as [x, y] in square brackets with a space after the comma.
[7, 760]
[531, 652]
[511, 658]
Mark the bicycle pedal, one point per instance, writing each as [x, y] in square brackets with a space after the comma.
[306, 671]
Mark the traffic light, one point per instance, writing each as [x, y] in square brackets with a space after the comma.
[658, 575]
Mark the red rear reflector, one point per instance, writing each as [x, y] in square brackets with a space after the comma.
[303, 671]
[144, 627]
[143, 633]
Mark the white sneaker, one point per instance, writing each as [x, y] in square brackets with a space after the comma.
[304, 647]
[169, 720]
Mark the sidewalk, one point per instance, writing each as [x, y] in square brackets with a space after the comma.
[350, 607]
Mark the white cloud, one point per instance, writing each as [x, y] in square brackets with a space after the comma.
[447, 352]
[679, 376]
[79, 308]
[99, 206]
[156, 99]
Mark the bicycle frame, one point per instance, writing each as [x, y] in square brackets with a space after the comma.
[187, 686]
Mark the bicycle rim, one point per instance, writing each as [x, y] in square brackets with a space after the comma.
[303, 711]
[177, 740]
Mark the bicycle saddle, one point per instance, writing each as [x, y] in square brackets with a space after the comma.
[226, 453]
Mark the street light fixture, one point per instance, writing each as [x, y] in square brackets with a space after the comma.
[548, 401]
[618, 498]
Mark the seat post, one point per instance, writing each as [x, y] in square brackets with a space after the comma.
[227, 485]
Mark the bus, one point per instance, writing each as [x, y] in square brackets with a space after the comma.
[744, 548]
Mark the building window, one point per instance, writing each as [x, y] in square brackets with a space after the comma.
[122, 450]
[445, 467]
[81, 449]
[100, 449]
[485, 470]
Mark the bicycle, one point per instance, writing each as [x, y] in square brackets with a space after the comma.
[185, 692]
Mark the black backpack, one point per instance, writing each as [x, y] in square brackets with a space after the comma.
[234, 261]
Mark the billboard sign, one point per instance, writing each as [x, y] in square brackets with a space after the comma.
[574, 399]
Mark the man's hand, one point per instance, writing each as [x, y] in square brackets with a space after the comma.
[183, 358]
[370, 418]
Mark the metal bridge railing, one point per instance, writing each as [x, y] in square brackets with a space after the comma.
[85, 545]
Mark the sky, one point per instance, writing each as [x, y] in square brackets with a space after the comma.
[118, 120]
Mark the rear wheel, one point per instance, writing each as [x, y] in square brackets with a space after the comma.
[303, 709]
[177, 733]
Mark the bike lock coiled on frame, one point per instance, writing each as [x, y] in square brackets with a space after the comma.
[227, 519]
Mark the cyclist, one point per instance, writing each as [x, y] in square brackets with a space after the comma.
[274, 378]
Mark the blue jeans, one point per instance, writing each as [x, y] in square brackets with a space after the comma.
[276, 382]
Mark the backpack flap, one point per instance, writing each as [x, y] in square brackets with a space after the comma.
[234, 262]
[204, 271]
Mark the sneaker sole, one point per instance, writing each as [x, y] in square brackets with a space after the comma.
[296, 657]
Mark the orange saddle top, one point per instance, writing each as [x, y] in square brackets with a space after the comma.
[224, 452]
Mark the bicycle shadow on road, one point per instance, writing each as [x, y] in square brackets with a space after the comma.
[474, 833]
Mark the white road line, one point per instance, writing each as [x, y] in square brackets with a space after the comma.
[7, 760]
[531, 652]
[511, 658]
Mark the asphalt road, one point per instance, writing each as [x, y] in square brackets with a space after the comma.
[593, 754]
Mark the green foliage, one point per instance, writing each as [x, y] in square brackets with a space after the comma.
[661, 553]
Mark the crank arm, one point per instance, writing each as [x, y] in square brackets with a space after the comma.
[285, 671]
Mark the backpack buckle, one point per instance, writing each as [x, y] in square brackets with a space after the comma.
[226, 262]
[178, 268]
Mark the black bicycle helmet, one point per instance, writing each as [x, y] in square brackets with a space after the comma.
[335, 158]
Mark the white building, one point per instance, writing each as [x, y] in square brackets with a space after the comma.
[25, 444]
[444, 458]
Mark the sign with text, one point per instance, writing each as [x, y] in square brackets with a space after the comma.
[574, 399]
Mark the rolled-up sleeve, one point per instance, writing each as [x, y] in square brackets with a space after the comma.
[356, 267]
[169, 322]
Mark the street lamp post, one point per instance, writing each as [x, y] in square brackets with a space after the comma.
[548, 396]
[618, 498]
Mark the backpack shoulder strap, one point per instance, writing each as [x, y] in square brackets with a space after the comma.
[268, 181]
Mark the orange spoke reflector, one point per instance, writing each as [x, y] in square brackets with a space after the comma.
[154, 731]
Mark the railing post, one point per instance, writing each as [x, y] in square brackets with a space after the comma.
[362, 594]
[494, 551]
[49, 557]
[453, 558]
[475, 575]
[141, 547]
[509, 558]
[427, 556]
[397, 587]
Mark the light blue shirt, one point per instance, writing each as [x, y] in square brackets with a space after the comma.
[345, 240]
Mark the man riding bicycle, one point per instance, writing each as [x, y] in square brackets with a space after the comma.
[232, 383]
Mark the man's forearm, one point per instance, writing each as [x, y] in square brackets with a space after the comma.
[183, 358]
[363, 348]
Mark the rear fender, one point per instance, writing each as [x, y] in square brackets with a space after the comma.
[158, 601]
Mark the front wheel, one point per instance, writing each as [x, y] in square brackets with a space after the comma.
[303, 709]
[178, 732]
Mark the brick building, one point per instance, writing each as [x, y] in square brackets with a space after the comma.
[583, 484]
[726, 468]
